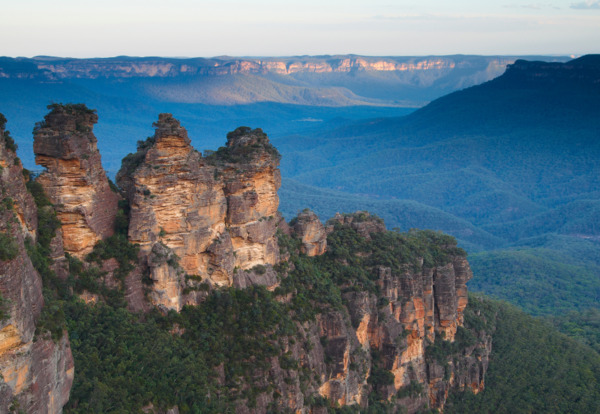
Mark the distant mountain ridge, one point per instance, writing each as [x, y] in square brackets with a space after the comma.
[125, 66]
[309, 80]
[537, 110]
[516, 157]
[583, 70]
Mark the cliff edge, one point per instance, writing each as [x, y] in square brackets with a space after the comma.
[36, 370]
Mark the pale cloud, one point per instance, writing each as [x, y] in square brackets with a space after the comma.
[587, 5]
[523, 6]
[404, 16]
[531, 6]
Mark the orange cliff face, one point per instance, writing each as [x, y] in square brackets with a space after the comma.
[37, 374]
[399, 333]
[422, 305]
[311, 231]
[91, 69]
[74, 179]
[252, 178]
[201, 219]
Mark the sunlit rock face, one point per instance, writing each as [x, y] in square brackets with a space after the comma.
[252, 178]
[91, 69]
[35, 375]
[311, 231]
[399, 332]
[74, 180]
[417, 306]
[211, 215]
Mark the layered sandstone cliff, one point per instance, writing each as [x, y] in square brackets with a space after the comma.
[416, 305]
[397, 340]
[36, 372]
[74, 180]
[202, 219]
[164, 67]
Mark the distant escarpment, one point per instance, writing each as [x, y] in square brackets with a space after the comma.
[36, 369]
[236, 310]
[337, 80]
[128, 67]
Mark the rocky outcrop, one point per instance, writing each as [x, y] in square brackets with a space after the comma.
[213, 215]
[401, 342]
[395, 338]
[308, 228]
[249, 165]
[401, 331]
[177, 212]
[36, 375]
[362, 221]
[74, 180]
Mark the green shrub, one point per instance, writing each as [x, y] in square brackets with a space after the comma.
[4, 309]
[116, 247]
[71, 108]
[9, 249]
[380, 377]
[9, 142]
[133, 160]
[414, 389]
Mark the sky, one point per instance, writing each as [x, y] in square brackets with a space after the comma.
[206, 28]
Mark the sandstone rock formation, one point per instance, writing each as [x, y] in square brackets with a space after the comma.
[361, 221]
[417, 307]
[36, 375]
[251, 176]
[74, 178]
[394, 331]
[311, 231]
[423, 306]
[209, 215]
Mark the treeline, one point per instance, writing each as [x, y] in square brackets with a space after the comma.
[533, 369]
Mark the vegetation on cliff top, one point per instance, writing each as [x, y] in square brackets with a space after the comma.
[71, 108]
[208, 351]
[79, 111]
[132, 161]
[243, 145]
[9, 142]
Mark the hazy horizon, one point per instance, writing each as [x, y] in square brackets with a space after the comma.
[572, 56]
[269, 28]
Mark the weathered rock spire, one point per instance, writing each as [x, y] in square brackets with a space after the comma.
[198, 218]
[74, 178]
